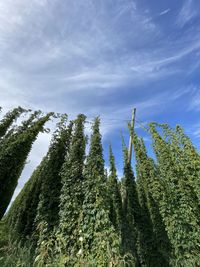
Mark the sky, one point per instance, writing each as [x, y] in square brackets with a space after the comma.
[102, 57]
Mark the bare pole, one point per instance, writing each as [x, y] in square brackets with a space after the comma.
[130, 140]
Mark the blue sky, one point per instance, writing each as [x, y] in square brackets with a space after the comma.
[102, 57]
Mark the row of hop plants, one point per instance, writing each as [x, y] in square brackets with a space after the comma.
[72, 213]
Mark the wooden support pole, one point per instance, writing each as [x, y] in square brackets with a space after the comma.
[130, 140]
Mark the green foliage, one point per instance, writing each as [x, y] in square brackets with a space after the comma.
[39, 199]
[13, 157]
[8, 119]
[12, 253]
[3, 235]
[71, 212]
[114, 195]
[154, 241]
[96, 230]
[22, 213]
[131, 211]
[49, 198]
[71, 197]
[188, 160]
[178, 207]
[13, 133]
[16, 255]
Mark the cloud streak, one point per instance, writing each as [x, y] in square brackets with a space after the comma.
[187, 13]
[164, 12]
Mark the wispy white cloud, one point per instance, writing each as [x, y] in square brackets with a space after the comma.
[164, 11]
[163, 61]
[44, 45]
[197, 130]
[187, 12]
[99, 52]
[195, 100]
[193, 130]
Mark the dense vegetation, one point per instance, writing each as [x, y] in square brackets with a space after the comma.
[73, 212]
